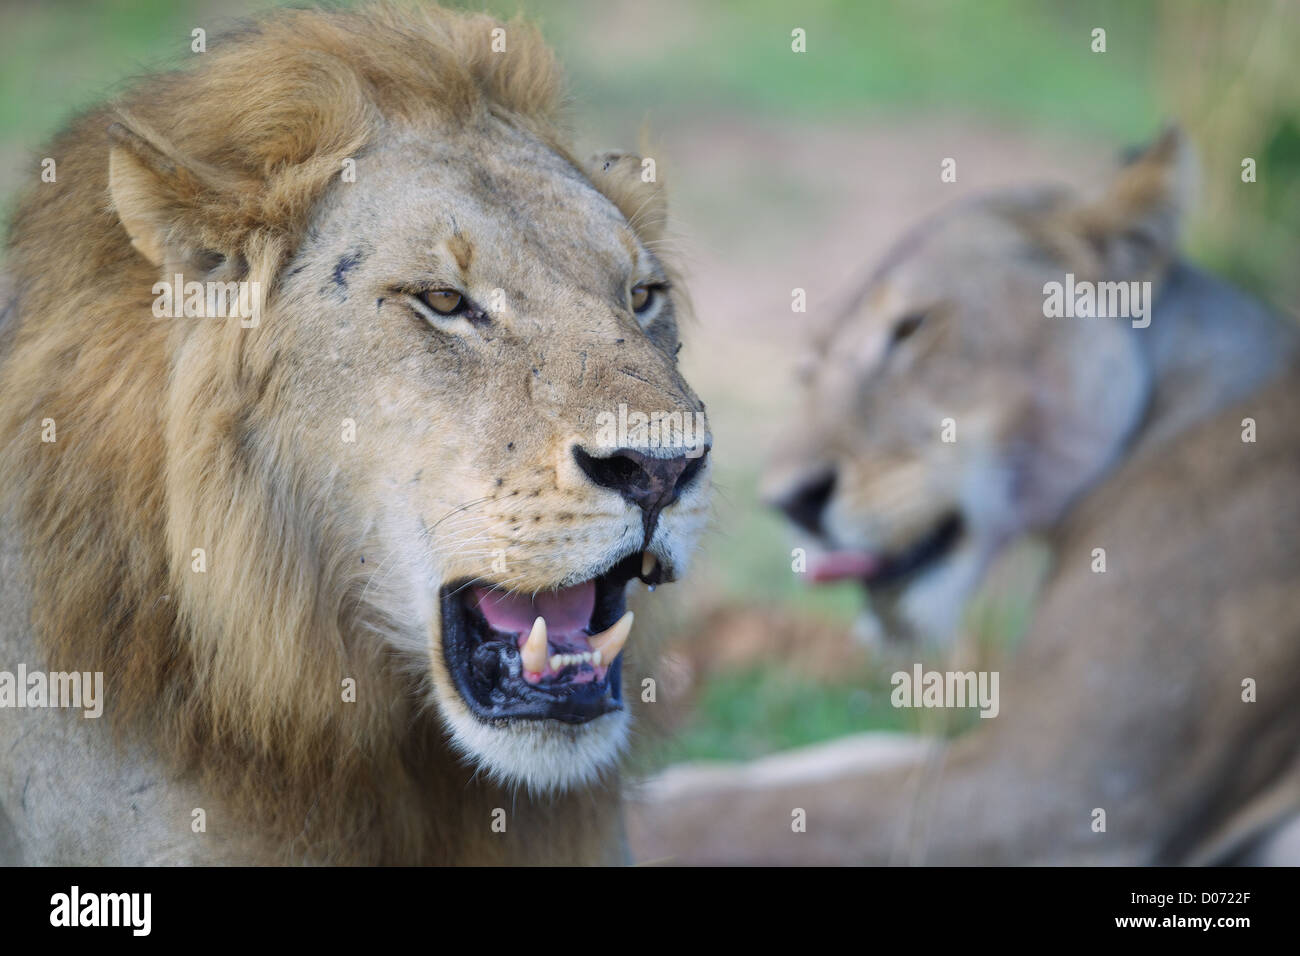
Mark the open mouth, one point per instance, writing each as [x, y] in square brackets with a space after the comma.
[548, 655]
[882, 570]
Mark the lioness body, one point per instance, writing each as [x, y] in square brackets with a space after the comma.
[1127, 696]
[1150, 715]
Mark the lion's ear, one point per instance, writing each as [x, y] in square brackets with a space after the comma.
[632, 184]
[158, 198]
[1134, 225]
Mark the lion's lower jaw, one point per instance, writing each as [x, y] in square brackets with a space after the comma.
[543, 756]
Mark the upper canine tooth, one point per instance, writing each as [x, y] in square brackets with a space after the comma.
[609, 643]
[534, 652]
[647, 564]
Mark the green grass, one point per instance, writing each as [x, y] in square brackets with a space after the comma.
[749, 713]
[1028, 61]
[60, 56]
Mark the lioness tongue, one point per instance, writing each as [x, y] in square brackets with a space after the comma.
[843, 565]
[567, 611]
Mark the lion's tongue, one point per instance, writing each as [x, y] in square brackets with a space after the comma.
[843, 565]
[567, 611]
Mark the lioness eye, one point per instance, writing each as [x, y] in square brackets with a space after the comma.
[443, 301]
[905, 326]
[642, 297]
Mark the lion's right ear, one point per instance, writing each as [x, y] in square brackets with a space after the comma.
[632, 184]
[158, 199]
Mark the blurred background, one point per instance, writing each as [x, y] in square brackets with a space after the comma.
[797, 171]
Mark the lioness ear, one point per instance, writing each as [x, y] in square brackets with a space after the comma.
[1133, 227]
[158, 199]
[632, 184]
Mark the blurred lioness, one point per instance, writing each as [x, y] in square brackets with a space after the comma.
[1152, 715]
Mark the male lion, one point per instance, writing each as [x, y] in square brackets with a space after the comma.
[1133, 692]
[353, 562]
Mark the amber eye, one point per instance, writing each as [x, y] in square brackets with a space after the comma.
[643, 297]
[443, 301]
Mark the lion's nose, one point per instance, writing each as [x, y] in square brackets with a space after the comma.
[650, 483]
[806, 502]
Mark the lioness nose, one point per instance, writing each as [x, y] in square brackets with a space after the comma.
[806, 502]
[652, 484]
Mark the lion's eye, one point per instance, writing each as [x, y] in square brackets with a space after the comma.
[443, 301]
[643, 296]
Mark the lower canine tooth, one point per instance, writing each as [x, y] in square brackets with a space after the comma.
[534, 652]
[609, 643]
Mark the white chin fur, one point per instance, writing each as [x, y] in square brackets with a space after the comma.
[546, 756]
[933, 604]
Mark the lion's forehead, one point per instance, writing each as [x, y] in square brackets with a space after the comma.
[495, 189]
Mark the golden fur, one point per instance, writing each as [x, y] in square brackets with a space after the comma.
[177, 434]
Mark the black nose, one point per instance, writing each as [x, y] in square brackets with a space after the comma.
[652, 484]
[806, 504]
